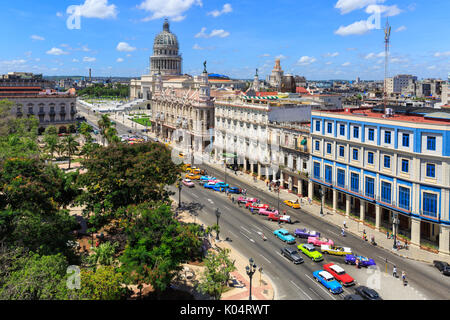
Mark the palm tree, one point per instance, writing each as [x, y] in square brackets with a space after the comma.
[104, 124]
[85, 130]
[70, 146]
[51, 144]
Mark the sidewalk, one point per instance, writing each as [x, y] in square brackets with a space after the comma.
[262, 288]
[354, 226]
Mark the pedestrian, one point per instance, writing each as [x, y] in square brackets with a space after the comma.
[387, 235]
[309, 200]
[301, 200]
[343, 232]
[357, 263]
[232, 199]
[269, 187]
[394, 272]
[251, 209]
[267, 183]
[404, 277]
[345, 224]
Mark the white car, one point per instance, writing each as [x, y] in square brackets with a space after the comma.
[338, 251]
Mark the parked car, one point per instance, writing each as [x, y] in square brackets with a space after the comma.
[245, 200]
[292, 204]
[442, 266]
[363, 261]
[305, 233]
[292, 254]
[256, 206]
[310, 251]
[188, 183]
[218, 187]
[339, 274]
[317, 241]
[222, 184]
[266, 212]
[284, 235]
[207, 178]
[328, 281]
[209, 185]
[337, 251]
[282, 218]
[234, 190]
[192, 176]
[367, 293]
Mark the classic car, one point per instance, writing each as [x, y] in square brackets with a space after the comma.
[328, 281]
[284, 235]
[292, 204]
[442, 266]
[192, 176]
[207, 178]
[363, 261]
[235, 190]
[245, 200]
[282, 218]
[188, 183]
[198, 171]
[318, 241]
[222, 184]
[339, 274]
[337, 251]
[292, 254]
[305, 233]
[367, 293]
[256, 206]
[310, 251]
[209, 185]
[266, 212]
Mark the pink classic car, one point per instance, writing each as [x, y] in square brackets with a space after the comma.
[266, 212]
[317, 241]
[246, 200]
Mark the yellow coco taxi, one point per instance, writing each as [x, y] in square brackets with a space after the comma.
[192, 176]
[294, 205]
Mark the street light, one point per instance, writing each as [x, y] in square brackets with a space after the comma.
[251, 269]
[179, 194]
[218, 216]
[322, 194]
[395, 222]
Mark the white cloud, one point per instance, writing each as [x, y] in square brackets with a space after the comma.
[56, 52]
[442, 54]
[400, 29]
[226, 9]
[125, 47]
[280, 56]
[328, 63]
[305, 60]
[358, 27]
[13, 62]
[215, 33]
[389, 11]
[59, 14]
[75, 60]
[119, 60]
[89, 59]
[332, 55]
[346, 6]
[94, 9]
[265, 55]
[39, 38]
[173, 9]
[374, 55]
[85, 49]
[346, 64]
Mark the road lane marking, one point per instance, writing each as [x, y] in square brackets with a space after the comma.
[301, 290]
[248, 237]
[256, 227]
[210, 201]
[265, 258]
[194, 195]
[246, 229]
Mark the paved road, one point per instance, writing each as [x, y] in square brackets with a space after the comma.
[422, 276]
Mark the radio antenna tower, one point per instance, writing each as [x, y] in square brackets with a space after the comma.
[387, 38]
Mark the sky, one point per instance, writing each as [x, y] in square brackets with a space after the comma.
[318, 39]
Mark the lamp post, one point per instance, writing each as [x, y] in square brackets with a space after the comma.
[322, 194]
[251, 269]
[218, 216]
[179, 194]
[395, 222]
[278, 182]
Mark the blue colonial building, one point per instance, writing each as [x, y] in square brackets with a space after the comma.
[377, 165]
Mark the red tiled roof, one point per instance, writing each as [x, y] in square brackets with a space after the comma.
[301, 90]
[265, 94]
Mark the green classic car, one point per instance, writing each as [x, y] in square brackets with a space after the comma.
[310, 251]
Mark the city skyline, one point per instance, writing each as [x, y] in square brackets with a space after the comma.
[329, 40]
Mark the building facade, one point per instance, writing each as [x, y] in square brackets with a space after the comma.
[375, 167]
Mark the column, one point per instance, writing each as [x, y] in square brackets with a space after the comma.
[415, 232]
[334, 200]
[259, 170]
[377, 217]
[245, 164]
[310, 189]
[444, 240]
[362, 210]
[347, 205]
[300, 187]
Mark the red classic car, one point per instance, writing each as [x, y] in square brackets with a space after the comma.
[339, 274]
[256, 206]
[246, 200]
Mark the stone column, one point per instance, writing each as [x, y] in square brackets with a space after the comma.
[415, 232]
[310, 189]
[281, 179]
[300, 187]
[377, 217]
[245, 164]
[362, 210]
[347, 205]
[259, 170]
[444, 236]
[334, 200]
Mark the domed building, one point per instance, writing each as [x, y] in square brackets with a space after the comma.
[166, 58]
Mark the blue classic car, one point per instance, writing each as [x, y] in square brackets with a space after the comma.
[305, 233]
[219, 188]
[209, 185]
[235, 190]
[207, 178]
[284, 235]
[222, 184]
[328, 281]
[363, 261]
